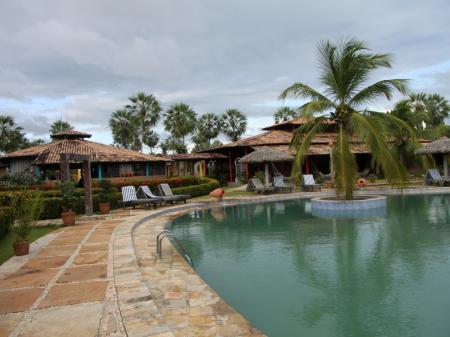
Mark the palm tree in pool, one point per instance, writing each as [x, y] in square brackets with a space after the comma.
[345, 67]
[147, 109]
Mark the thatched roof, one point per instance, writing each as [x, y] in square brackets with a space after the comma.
[70, 134]
[195, 156]
[440, 146]
[265, 154]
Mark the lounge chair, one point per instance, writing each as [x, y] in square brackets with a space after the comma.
[255, 185]
[309, 184]
[129, 198]
[283, 184]
[148, 194]
[164, 189]
[433, 177]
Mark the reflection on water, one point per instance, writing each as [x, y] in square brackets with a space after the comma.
[294, 274]
[348, 214]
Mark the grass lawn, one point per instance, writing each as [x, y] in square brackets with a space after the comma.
[6, 249]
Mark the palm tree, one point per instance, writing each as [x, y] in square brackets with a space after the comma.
[234, 124]
[344, 70]
[12, 137]
[180, 120]
[60, 126]
[124, 129]
[147, 109]
[151, 139]
[284, 114]
[433, 108]
[208, 127]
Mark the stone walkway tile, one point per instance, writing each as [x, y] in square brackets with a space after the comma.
[91, 258]
[45, 262]
[99, 239]
[55, 251]
[18, 300]
[83, 273]
[74, 293]
[68, 241]
[97, 247]
[202, 331]
[74, 321]
[8, 323]
[28, 278]
[233, 330]
[112, 222]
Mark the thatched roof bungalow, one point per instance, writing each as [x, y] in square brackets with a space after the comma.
[106, 161]
[195, 164]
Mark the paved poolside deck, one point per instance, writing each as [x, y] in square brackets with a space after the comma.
[101, 278]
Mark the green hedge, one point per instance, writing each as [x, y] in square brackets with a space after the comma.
[205, 186]
[5, 220]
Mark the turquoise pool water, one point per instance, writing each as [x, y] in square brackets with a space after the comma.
[293, 274]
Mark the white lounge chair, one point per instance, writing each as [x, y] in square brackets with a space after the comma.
[309, 184]
[148, 194]
[129, 198]
[282, 184]
[164, 189]
[433, 177]
[255, 185]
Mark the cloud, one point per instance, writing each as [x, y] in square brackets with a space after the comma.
[84, 58]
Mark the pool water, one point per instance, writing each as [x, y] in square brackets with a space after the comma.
[293, 274]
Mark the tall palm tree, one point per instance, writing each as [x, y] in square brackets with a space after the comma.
[147, 109]
[433, 108]
[284, 114]
[345, 68]
[180, 120]
[125, 129]
[60, 126]
[234, 124]
[209, 126]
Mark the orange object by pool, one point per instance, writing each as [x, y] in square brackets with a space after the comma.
[361, 182]
[217, 193]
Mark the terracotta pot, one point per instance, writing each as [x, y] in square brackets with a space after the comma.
[68, 218]
[217, 193]
[21, 248]
[104, 207]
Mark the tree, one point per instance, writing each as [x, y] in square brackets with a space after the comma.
[234, 124]
[208, 127]
[173, 144]
[124, 129]
[200, 142]
[12, 137]
[147, 111]
[433, 108]
[180, 120]
[345, 68]
[284, 114]
[151, 139]
[60, 126]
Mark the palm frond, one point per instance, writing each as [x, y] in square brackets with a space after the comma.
[300, 90]
[308, 110]
[373, 132]
[379, 89]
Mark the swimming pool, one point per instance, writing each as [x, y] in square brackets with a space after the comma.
[294, 274]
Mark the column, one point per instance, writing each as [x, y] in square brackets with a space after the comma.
[100, 172]
[230, 166]
[147, 169]
[445, 159]
[246, 165]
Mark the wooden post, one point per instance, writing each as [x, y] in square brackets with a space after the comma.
[307, 166]
[230, 166]
[246, 165]
[64, 167]
[87, 187]
[147, 169]
[266, 169]
[445, 159]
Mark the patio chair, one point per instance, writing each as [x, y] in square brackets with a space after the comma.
[129, 198]
[164, 189]
[433, 177]
[283, 184]
[148, 194]
[255, 185]
[309, 184]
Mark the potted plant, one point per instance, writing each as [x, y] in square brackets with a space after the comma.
[25, 208]
[69, 199]
[105, 196]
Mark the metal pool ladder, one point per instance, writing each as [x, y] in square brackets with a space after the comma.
[167, 234]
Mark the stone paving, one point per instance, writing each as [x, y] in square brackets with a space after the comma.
[101, 278]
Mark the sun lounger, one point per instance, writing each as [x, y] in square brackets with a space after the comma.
[148, 194]
[255, 185]
[283, 184]
[164, 189]
[433, 177]
[129, 198]
[309, 184]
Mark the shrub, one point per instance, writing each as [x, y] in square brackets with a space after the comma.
[107, 189]
[5, 220]
[372, 178]
[205, 186]
[69, 196]
[25, 208]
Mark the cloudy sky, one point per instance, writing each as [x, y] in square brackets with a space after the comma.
[83, 58]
